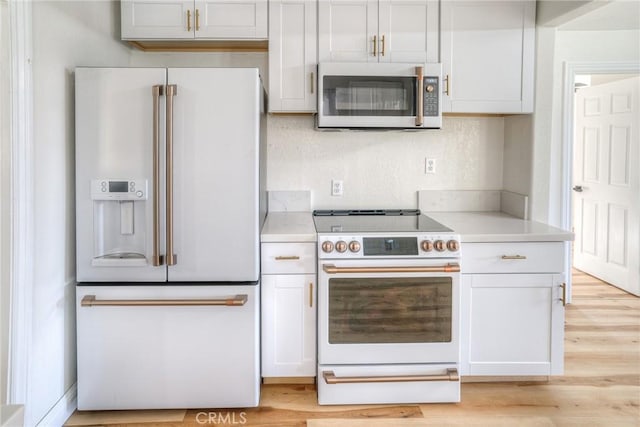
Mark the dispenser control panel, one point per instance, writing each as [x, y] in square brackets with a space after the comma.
[119, 189]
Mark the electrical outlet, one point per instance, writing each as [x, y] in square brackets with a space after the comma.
[429, 165]
[336, 187]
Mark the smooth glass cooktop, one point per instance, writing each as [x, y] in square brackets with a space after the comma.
[354, 223]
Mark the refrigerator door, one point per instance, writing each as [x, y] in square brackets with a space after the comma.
[115, 191]
[215, 188]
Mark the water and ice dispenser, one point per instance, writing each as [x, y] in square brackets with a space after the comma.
[119, 215]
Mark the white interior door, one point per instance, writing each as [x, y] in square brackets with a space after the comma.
[607, 183]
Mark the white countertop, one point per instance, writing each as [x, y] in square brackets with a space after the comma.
[288, 227]
[498, 227]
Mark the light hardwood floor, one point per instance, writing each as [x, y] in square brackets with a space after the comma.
[600, 387]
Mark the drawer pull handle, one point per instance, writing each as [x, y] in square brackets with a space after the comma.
[514, 257]
[287, 258]
[331, 378]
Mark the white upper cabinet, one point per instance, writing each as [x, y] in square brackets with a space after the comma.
[378, 30]
[488, 56]
[292, 55]
[213, 19]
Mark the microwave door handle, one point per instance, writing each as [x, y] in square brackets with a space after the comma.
[156, 258]
[419, 96]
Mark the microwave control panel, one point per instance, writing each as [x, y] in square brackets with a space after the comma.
[431, 91]
[118, 189]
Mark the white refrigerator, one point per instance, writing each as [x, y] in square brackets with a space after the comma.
[169, 204]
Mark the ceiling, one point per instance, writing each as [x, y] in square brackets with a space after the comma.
[614, 15]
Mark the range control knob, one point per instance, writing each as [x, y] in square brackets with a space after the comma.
[327, 246]
[429, 88]
[354, 246]
[439, 245]
[341, 246]
[426, 245]
[453, 245]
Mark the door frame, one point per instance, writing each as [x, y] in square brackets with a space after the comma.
[21, 204]
[571, 69]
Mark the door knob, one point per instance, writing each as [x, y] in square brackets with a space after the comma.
[577, 188]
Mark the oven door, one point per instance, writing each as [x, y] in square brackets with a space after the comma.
[388, 311]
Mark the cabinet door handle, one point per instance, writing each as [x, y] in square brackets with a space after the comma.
[382, 42]
[419, 96]
[310, 294]
[446, 84]
[514, 257]
[564, 294]
[375, 45]
[287, 258]
[188, 19]
[197, 19]
[312, 82]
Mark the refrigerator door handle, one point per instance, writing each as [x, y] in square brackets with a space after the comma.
[235, 301]
[172, 90]
[156, 258]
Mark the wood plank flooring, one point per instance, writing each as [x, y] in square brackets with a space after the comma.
[601, 385]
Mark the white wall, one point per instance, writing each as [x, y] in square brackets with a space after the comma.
[555, 49]
[383, 169]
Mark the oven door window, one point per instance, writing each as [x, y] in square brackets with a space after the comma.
[390, 310]
[369, 96]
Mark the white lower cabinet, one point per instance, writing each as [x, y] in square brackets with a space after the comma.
[512, 323]
[289, 311]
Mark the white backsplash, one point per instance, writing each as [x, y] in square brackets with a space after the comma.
[289, 201]
[383, 169]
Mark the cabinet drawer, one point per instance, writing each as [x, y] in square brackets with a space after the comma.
[519, 257]
[288, 258]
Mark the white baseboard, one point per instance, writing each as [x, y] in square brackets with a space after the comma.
[62, 410]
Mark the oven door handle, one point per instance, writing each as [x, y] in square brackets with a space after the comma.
[448, 268]
[331, 378]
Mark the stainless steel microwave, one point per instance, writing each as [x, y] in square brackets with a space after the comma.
[382, 95]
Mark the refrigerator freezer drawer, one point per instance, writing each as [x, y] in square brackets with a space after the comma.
[159, 346]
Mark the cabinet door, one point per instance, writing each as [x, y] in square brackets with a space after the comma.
[289, 325]
[348, 31]
[292, 55]
[408, 31]
[231, 19]
[157, 19]
[513, 324]
[488, 56]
